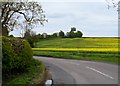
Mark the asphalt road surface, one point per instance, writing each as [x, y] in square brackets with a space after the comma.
[66, 71]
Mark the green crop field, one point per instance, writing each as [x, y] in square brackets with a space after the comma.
[97, 49]
[78, 43]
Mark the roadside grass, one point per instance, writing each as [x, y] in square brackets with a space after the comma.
[34, 75]
[94, 56]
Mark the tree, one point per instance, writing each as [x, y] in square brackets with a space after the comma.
[31, 37]
[20, 14]
[54, 35]
[39, 36]
[112, 3]
[27, 33]
[74, 34]
[70, 34]
[11, 36]
[61, 34]
[79, 34]
[73, 29]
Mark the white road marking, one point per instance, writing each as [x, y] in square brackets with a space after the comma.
[99, 72]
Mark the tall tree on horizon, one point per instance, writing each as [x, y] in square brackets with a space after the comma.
[61, 34]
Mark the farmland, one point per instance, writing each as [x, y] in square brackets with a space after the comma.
[98, 49]
[79, 43]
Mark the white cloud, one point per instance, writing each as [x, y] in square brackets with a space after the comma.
[93, 19]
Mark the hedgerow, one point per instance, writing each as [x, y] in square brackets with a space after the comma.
[16, 56]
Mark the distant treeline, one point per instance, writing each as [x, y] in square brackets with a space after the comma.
[32, 37]
[72, 34]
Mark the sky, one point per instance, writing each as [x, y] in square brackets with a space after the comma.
[92, 18]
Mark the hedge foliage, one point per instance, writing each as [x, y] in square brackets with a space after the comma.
[16, 56]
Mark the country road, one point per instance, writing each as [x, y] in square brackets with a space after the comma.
[66, 71]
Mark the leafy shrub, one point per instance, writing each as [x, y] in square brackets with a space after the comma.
[30, 41]
[16, 57]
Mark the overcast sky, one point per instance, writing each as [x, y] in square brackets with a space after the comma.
[94, 19]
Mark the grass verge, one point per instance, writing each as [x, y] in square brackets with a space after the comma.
[34, 75]
[111, 57]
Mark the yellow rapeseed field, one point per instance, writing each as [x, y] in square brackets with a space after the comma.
[79, 49]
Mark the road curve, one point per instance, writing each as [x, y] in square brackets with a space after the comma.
[66, 71]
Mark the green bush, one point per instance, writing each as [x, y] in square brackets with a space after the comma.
[30, 41]
[16, 56]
